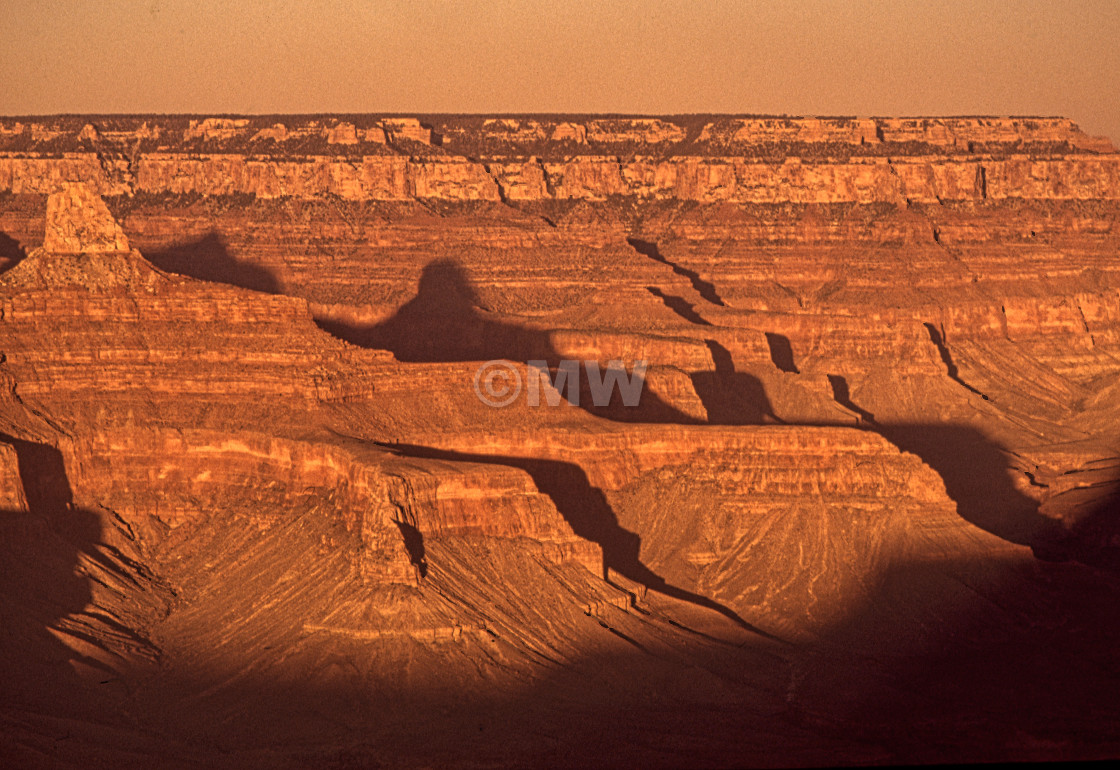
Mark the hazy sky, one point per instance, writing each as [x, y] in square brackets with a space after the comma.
[862, 57]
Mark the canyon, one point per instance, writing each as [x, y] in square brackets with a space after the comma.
[255, 513]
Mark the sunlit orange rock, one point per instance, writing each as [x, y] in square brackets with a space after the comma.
[254, 509]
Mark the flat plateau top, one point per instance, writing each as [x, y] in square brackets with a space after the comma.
[545, 135]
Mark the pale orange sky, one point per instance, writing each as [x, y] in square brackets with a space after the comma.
[863, 57]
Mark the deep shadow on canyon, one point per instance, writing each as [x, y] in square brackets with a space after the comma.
[11, 252]
[591, 517]
[923, 668]
[927, 666]
[226, 583]
[443, 322]
[40, 581]
[208, 259]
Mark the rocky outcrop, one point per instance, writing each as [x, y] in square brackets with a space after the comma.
[117, 349]
[373, 494]
[895, 160]
[215, 128]
[79, 223]
[699, 135]
[772, 462]
[118, 326]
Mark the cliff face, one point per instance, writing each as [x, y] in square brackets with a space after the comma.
[876, 179]
[242, 448]
[802, 160]
[374, 497]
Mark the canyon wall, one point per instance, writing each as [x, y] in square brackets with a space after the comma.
[594, 178]
[243, 453]
[914, 160]
[271, 479]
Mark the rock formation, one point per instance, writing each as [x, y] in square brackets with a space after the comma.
[255, 511]
[79, 223]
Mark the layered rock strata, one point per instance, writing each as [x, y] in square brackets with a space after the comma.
[241, 450]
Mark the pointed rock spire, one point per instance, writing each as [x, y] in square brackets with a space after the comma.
[79, 222]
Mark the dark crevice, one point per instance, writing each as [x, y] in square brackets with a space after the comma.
[705, 289]
[498, 184]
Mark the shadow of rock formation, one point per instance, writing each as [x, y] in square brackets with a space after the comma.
[731, 397]
[843, 396]
[977, 475]
[1091, 513]
[209, 259]
[444, 323]
[591, 517]
[414, 545]
[781, 353]
[679, 306]
[976, 471]
[705, 289]
[11, 252]
[40, 583]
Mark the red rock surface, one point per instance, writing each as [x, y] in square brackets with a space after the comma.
[254, 513]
